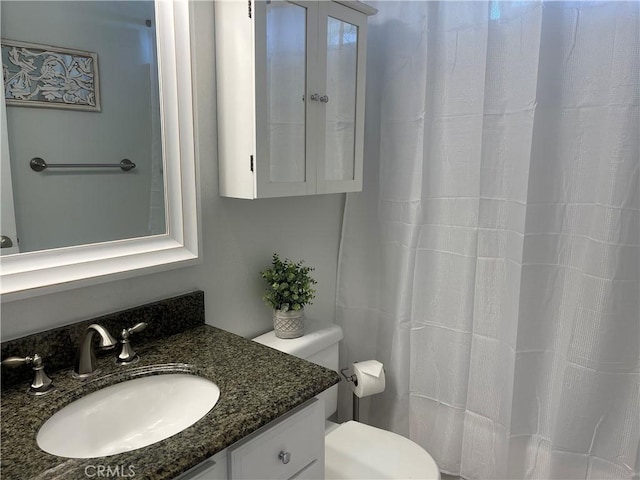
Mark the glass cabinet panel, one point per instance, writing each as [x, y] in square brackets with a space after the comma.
[342, 63]
[286, 82]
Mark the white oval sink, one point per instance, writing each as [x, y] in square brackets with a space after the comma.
[128, 415]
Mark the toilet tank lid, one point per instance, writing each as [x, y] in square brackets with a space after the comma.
[317, 336]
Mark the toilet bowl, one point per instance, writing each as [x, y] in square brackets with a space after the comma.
[353, 450]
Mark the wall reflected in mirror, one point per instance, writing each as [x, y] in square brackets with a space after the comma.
[64, 207]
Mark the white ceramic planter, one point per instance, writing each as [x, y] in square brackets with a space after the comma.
[289, 324]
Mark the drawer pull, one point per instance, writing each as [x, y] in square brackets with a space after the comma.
[285, 457]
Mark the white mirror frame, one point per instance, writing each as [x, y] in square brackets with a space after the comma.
[36, 273]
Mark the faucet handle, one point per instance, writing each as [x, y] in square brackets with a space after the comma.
[16, 361]
[41, 382]
[138, 327]
[127, 354]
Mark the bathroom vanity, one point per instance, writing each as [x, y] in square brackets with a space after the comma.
[266, 423]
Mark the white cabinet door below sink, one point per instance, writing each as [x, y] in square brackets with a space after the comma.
[299, 437]
[299, 433]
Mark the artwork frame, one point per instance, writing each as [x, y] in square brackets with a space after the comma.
[38, 75]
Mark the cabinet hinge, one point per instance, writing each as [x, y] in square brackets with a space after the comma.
[249, 8]
[251, 156]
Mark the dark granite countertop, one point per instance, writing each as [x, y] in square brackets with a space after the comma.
[257, 385]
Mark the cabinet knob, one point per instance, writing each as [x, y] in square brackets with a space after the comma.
[315, 97]
[324, 99]
[285, 457]
[5, 242]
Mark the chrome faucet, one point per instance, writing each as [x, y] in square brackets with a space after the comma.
[86, 358]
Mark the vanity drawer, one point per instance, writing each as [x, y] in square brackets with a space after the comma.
[297, 439]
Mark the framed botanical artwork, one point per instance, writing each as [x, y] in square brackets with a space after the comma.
[44, 76]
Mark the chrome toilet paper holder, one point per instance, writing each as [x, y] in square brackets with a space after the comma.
[350, 378]
[356, 401]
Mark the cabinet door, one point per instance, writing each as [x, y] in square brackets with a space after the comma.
[285, 37]
[342, 38]
[291, 447]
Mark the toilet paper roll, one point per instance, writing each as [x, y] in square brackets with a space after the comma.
[370, 376]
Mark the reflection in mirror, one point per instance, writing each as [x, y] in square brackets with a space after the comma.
[342, 65]
[286, 81]
[34, 273]
[64, 207]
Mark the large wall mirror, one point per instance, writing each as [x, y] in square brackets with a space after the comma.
[90, 87]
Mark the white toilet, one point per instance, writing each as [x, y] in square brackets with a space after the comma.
[353, 450]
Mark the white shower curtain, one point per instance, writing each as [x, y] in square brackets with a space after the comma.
[492, 261]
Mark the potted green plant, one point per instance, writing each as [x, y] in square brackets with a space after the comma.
[289, 289]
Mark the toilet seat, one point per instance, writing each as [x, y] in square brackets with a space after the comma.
[354, 450]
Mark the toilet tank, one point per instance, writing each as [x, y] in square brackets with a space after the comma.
[319, 344]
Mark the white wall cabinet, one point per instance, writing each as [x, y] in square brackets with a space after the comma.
[291, 447]
[290, 96]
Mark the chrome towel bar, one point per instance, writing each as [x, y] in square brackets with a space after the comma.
[37, 164]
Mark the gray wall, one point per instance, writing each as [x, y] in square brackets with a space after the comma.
[239, 237]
